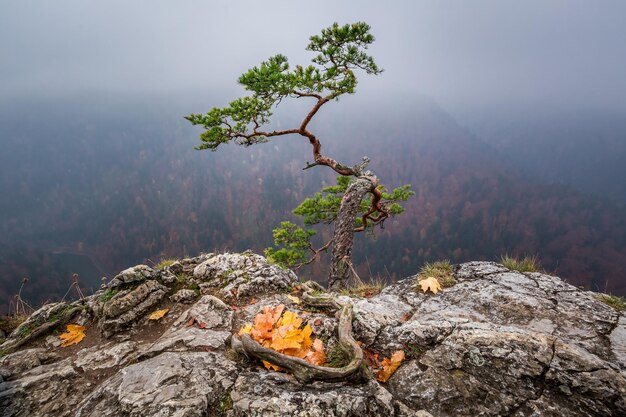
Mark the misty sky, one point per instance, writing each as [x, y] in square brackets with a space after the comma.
[555, 52]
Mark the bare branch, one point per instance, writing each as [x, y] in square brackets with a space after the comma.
[316, 253]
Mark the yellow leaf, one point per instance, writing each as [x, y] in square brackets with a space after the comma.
[245, 329]
[158, 314]
[290, 319]
[73, 335]
[271, 366]
[430, 283]
[288, 338]
[294, 299]
[390, 365]
[283, 331]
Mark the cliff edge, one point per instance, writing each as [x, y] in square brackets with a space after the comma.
[496, 343]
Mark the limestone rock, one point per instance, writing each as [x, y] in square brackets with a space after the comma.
[104, 357]
[372, 315]
[211, 321]
[24, 360]
[184, 296]
[127, 306]
[184, 384]
[238, 275]
[618, 343]
[501, 342]
[47, 390]
[273, 394]
[497, 343]
[137, 273]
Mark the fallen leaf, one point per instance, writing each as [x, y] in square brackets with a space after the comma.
[285, 332]
[73, 335]
[289, 338]
[191, 322]
[264, 324]
[201, 325]
[316, 355]
[245, 330]
[317, 322]
[371, 358]
[294, 299]
[158, 314]
[271, 366]
[405, 317]
[390, 365]
[430, 283]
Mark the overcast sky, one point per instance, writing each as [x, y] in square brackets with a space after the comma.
[498, 51]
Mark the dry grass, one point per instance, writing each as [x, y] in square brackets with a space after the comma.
[618, 303]
[165, 263]
[365, 290]
[526, 264]
[442, 270]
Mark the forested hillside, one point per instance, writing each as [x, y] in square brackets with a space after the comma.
[120, 183]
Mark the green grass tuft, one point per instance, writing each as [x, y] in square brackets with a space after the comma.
[527, 264]
[618, 303]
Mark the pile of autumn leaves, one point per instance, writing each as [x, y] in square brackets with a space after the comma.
[283, 331]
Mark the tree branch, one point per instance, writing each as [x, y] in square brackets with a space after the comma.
[316, 252]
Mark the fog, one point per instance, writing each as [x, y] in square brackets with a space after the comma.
[508, 118]
[462, 53]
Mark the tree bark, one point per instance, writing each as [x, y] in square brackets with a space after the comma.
[344, 232]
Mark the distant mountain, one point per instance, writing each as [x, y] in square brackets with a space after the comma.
[119, 182]
[583, 149]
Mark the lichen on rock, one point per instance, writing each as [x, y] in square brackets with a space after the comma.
[498, 342]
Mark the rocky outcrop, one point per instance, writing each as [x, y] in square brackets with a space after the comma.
[128, 305]
[242, 275]
[497, 343]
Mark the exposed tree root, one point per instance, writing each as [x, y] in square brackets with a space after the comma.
[355, 370]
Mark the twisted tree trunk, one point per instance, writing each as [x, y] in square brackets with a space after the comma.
[344, 232]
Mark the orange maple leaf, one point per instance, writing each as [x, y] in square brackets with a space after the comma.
[390, 365]
[316, 355]
[73, 335]
[264, 324]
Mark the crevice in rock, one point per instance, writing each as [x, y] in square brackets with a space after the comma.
[541, 380]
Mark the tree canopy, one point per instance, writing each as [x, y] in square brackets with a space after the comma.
[358, 202]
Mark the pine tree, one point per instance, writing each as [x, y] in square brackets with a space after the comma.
[358, 202]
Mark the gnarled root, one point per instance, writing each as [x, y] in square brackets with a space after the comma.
[355, 370]
[320, 299]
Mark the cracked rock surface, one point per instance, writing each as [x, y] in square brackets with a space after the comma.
[502, 343]
[497, 343]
